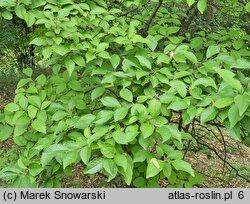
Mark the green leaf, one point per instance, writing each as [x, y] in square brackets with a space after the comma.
[70, 65]
[61, 49]
[104, 55]
[181, 165]
[24, 181]
[38, 3]
[167, 98]
[190, 2]
[223, 102]
[144, 61]
[98, 10]
[164, 132]
[84, 121]
[138, 38]
[140, 155]
[110, 167]
[101, 47]
[202, 5]
[234, 132]
[40, 41]
[178, 105]
[153, 42]
[182, 74]
[163, 58]
[97, 92]
[172, 30]
[90, 56]
[179, 57]
[47, 52]
[85, 154]
[238, 44]
[7, 15]
[121, 160]
[154, 107]
[126, 94]
[181, 48]
[108, 150]
[120, 113]
[41, 80]
[242, 102]
[110, 102]
[209, 114]
[169, 48]
[56, 148]
[69, 158]
[124, 138]
[23, 82]
[28, 72]
[234, 115]
[84, 6]
[79, 104]
[208, 81]
[42, 143]
[128, 174]
[139, 182]
[46, 158]
[8, 175]
[30, 19]
[241, 64]
[20, 11]
[180, 87]
[35, 101]
[154, 81]
[103, 117]
[79, 60]
[167, 170]
[35, 169]
[248, 7]
[115, 60]
[175, 133]
[39, 125]
[147, 129]
[75, 85]
[32, 111]
[11, 107]
[154, 167]
[131, 132]
[59, 115]
[176, 154]
[228, 76]
[94, 166]
[5, 132]
[225, 58]
[212, 50]
[20, 129]
[190, 56]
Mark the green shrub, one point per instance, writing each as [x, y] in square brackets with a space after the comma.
[118, 102]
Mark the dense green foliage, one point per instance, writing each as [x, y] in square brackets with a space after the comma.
[125, 91]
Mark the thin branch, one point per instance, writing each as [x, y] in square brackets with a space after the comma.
[187, 22]
[209, 130]
[224, 146]
[222, 159]
[144, 32]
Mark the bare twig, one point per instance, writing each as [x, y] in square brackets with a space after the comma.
[224, 146]
[222, 159]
